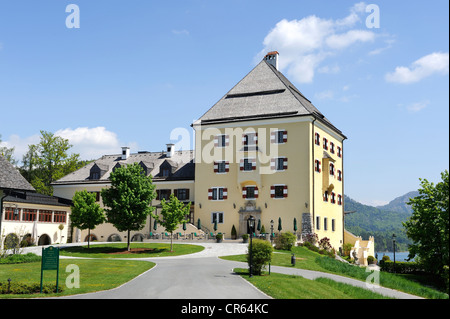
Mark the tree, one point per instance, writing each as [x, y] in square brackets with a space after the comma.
[428, 226]
[128, 200]
[48, 161]
[86, 213]
[7, 153]
[173, 213]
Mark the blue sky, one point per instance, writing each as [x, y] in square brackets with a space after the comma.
[134, 71]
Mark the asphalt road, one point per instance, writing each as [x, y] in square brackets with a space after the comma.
[205, 276]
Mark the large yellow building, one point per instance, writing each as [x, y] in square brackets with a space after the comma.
[264, 150]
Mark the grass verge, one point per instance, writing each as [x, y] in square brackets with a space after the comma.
[280, 286]
[119, 250]
[95, 275]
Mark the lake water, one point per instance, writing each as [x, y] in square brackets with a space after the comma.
[399, 255]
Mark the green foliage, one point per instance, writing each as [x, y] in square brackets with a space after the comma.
[20, 258]
[401, 267]
[233, 232]
[86, 213]
[372, 221]
[127, 201]
[285, 241]
[18, 288]
[48, 161]
[7, 153]
[428, 226]
[261, 255]
[173, 213]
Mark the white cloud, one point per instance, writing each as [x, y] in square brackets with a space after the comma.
[304, 44]
[434, 63]
[180, 32]
[416, 107]
[92, 143]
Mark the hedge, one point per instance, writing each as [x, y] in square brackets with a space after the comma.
[19, 288]
[401, 267]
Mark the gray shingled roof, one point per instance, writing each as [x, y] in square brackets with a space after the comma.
[263, 93]
[181, 166]
[10, 178]
[36, 198]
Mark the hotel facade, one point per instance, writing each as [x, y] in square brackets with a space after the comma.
[263, 150]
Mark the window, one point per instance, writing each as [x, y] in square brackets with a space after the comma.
[331, 169]
[325, 144]
[248, 164]
[339, 152]
[181, 193]
[325, 223]
[325, 196]
[317, 139]
[332, 147]
[278, 137]
[317, 222]
[333, 198]
[165, 172]
[12, 213]
[333, 224]
[317, 166]
[29, 215]
[217, 216]
[59, 217]
[221, 140]
[250, 192]
[339, 200]
[94, 175]
[97, 195]
[250, 138]
[278, 191]
[163, 194]
[45, 216]
[278, 164]
[217, 193]
[339, 175]
[221, 167]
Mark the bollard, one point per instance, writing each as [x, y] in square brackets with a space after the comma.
[293, 260]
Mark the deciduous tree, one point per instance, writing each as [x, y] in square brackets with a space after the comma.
[128, 200]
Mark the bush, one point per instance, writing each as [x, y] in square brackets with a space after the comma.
[285, 241]
[371, 260]
[18, 259]
[401, 267]
[261, 255]
[324, 244]
[19, 288]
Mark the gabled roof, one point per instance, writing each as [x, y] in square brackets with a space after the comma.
[181, 163]
[10, 178]
[263, 93]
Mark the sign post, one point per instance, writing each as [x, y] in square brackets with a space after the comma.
[50, 261]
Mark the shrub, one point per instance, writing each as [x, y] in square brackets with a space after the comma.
[261, 255]
[324, 244]
[371, 260]
[233, 232]
[19, 288]
[311, 238]
[18, 259]
[285, 241]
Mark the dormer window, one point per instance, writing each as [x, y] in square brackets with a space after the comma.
[165, 172]
[97, 171]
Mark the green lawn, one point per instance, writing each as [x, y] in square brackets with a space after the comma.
[95, 274]
[117, 250]
[307, 259]
[281, 286]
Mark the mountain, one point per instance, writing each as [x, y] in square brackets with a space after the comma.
[380, 222]
[399, 204]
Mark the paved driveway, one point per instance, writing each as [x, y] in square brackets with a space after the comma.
[204, 276]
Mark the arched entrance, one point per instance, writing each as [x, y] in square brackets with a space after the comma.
[137, 237]
[114, 237]
[92, 238]
[44, 239]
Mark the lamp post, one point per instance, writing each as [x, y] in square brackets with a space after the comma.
[271, 232]
[393, 240]
[251, 229]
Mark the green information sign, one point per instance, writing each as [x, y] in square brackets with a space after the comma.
[50, 261]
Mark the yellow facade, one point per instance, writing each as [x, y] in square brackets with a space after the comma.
[304, 186]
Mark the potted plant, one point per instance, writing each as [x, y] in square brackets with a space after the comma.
[233, 232]
[219, 237]
[245, 238]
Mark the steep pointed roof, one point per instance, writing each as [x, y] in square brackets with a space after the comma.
[263, 93]
[10, 177]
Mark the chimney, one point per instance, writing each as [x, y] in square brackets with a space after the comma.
[170, 150]
[125, 152]
[272, 58]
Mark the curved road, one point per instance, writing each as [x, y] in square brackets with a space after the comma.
[203, 275]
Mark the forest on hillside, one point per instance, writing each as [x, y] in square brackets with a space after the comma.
[379, 222]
